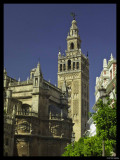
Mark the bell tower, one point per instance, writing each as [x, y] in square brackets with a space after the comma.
[73, 39]
[73, 69]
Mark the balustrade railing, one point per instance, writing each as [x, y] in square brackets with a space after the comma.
[21, 82]
[52, 117]
[25, 113]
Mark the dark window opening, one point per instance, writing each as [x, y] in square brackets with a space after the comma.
[72, 46]
[25, 109]
[60, 67]
[69, 64]
[36, 81]
[15, 109]
[64, 67]
[77, 65]
[73, 65]
[110, 74]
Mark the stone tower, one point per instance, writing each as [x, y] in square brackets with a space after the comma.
[73, 70]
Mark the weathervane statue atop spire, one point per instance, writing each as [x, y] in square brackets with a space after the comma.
[73, 15]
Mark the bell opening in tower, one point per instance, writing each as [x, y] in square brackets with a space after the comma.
[69, 64]
[60, 67]
[72, 45]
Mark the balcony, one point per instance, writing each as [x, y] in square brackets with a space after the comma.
[59, 118]
[26, 113]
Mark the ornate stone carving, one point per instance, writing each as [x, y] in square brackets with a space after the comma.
[75, 87]
[75, 107]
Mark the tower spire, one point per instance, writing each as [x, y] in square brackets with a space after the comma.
[104, 63]
[111, 57]
[73, 38]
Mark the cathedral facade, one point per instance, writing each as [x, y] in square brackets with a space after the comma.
[73, 70]
[36, 121]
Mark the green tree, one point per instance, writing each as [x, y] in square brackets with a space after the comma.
[86, 146]
[75, 149]
[89, 146]
[79, 147]
[68, 150]
[93, 146]
[105, 120]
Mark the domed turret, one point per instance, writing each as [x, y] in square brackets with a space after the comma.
[73, 38]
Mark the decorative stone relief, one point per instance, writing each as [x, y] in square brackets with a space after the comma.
[75, 96]
[75, 87]
[75, 107]
[76, 75]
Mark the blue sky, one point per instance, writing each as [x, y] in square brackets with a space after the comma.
[36, 31]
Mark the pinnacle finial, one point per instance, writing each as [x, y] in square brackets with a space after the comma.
[59, 51]
[5, 70]
[104, 63]
[19, 79]
[87, 53]
[38, 65]
[111, 57]
[38, 60]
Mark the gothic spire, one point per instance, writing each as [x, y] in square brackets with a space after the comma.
[104, 63]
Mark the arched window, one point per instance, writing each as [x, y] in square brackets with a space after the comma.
[111, 74]
[36, 81]
[64, 67]
[69, 64]
[15, 108]
[60, 67]
[25, 109]
[72, 45]
[77, 65]
[73, 65]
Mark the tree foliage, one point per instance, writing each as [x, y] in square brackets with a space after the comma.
[105, 120]
[89, 146]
